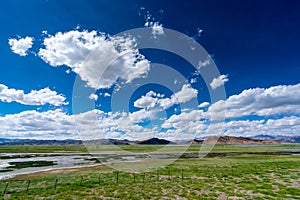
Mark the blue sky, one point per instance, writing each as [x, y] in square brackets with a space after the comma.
[45, 46]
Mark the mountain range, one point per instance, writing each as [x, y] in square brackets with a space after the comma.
[258, 139]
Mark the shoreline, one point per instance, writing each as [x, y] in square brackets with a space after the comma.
[51, 171]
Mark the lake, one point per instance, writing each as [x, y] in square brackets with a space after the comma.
[12, 164]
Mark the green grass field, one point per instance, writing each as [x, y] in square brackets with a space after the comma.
[144, 148]
[230, 172]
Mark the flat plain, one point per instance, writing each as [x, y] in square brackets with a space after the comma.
[227, 172]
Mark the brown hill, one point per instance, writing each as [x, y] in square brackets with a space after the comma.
[155, 141]
[232, 140]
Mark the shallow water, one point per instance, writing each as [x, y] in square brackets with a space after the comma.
[70, 160]
[61, 161]
[67, 160]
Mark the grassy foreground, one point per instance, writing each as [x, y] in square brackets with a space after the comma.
[247, 175]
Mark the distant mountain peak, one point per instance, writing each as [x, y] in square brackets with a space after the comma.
[155, 141]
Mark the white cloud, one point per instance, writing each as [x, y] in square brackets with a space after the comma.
[282, 99]
[106, 94]
[93, 96]
[273, 101]
[143, 115]
[184, 95]
[284, 126]
[20, 46]
[98, 59]
[148, 101]
[192, 123]
[288, 126]
[38, 125]
[219, 81]
[203, 105]
[184, 119]
[34, 97]
[157, 29]
[199, 31]
[193, 80]
[70, 48]
[97, 124]
[140, 116]
[152, 99]
[203, 63]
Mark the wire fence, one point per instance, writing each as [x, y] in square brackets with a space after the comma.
[118, 177]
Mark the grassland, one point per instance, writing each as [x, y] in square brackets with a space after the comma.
[42, 149]
[230, 172]
[144, 148]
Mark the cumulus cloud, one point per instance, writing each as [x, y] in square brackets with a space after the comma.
[193, 80]
[98, 59]
[56, 124]
[274, 101]
[198, 34]
[282, 99]
[106, 94]
[144, 115]
[148, 101]
[152, 99]
[96, 124]
[203, 63]
[184, 119]
[93, 96]
[203, 105]
[194, 123]
[34, 97]
[39, 125]
[184, 95]
[219, 81]
[20, 46]
[156, 28]
[286, 126]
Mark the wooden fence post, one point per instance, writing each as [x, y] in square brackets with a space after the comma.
[55, 184]
[81, 180]
[117, 177]
[6, 186]
[28, 184]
